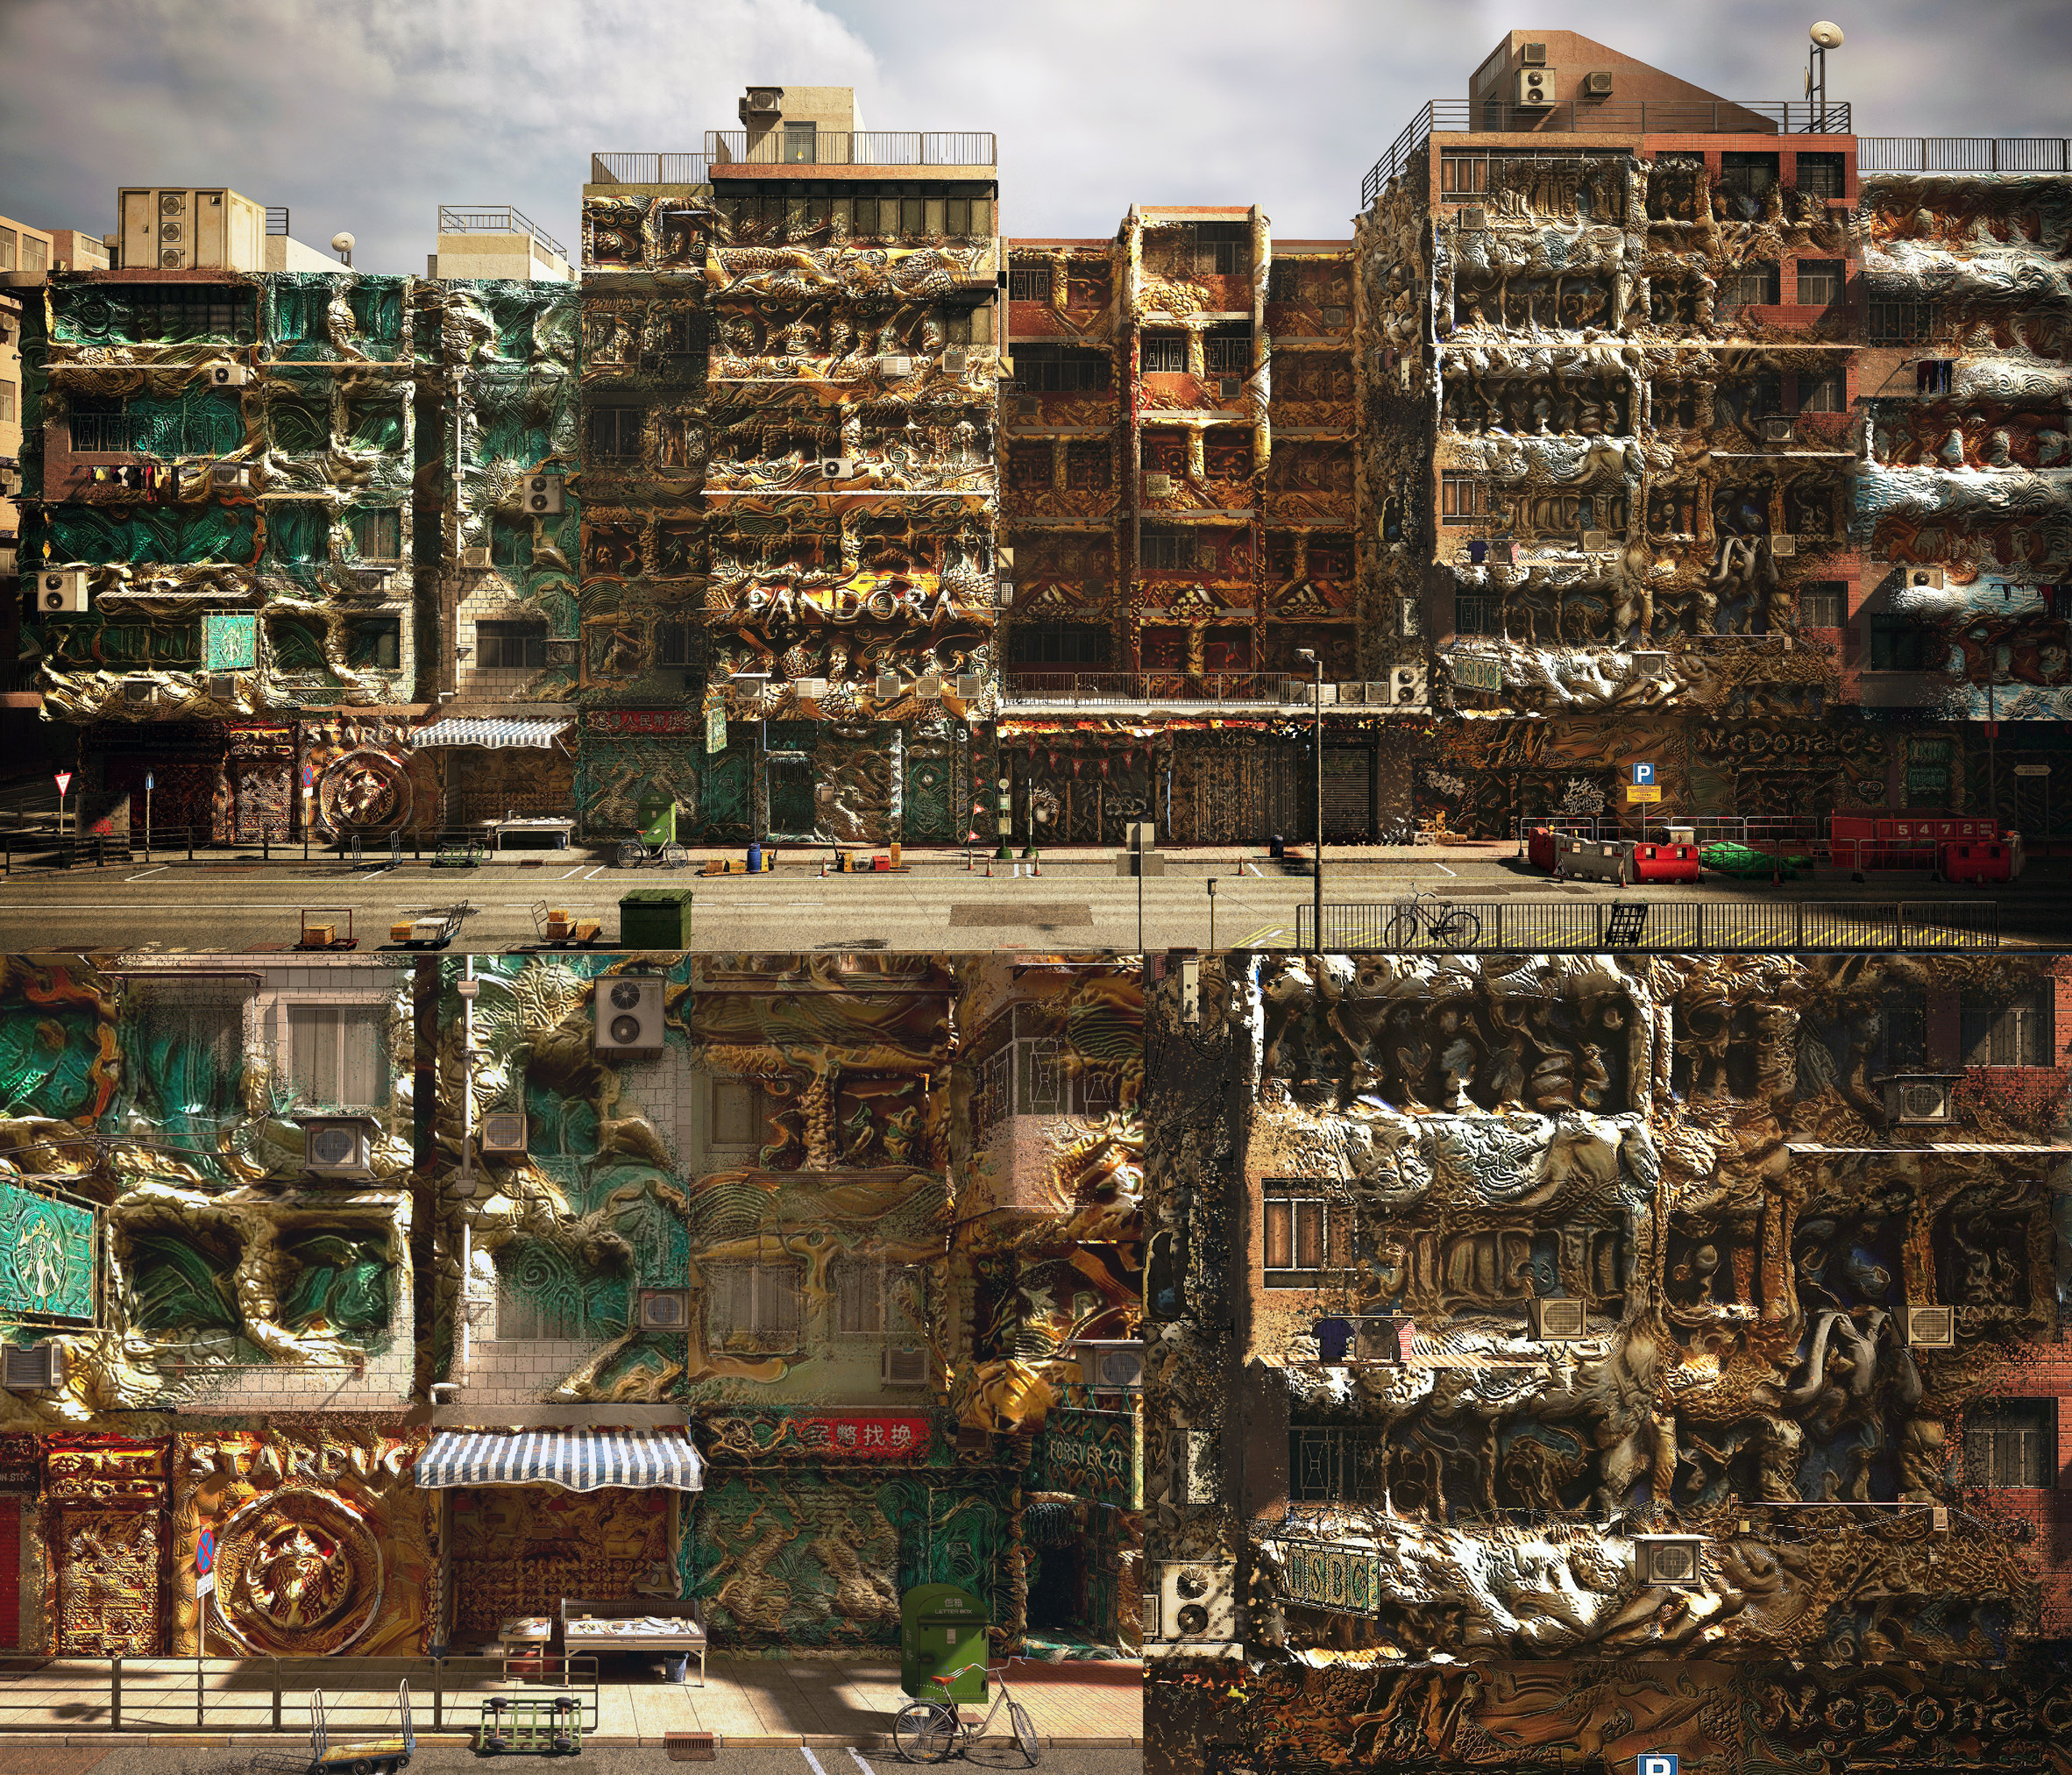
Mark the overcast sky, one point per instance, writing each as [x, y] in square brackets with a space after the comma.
[367, 115]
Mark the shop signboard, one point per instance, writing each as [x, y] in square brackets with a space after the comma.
[846, 1435]
[1095, 1455]
[1347, 1581]
[230, 639]
[47, 1257]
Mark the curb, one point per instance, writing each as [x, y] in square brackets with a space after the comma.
[56, 1736]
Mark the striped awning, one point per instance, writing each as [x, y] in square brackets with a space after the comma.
[583, 1460]
[494, 732]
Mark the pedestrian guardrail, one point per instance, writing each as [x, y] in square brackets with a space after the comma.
[47, 848]
[1530, 926]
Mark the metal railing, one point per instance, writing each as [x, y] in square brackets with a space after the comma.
[1572, 117]
[780, 147]
[272, 1694]
[1963, 154]
[650, 169]
[42, 846]
[277, 218]
[494, 218]
[1531, 926]
[1036, 684]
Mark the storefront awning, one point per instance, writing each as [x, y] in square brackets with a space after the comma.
[583, 1460]
[494, 733]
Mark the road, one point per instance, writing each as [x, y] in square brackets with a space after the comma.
[990, 1755]
[1074, 904]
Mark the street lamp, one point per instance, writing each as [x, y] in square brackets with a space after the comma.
[1316, 871]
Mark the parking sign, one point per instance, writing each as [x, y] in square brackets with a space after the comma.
[1657, 1762]
[1643, 775]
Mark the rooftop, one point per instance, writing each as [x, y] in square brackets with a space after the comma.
[493, 218]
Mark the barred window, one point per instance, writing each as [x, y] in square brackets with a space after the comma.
[1229, 354]
[1478, 613]
[2010, 1444]
[615, 433]
[1899, 323]
[672, 643]
[1823, 604]
[1297, 1243]
[7, 403]
[172, 312]
[1059, 369]
[2003, 1031]
[1029, 283]
[1059, 643]
[1167, 547]
[1222, 248]
[752, 1306]
[1165, 354]
[1333, 1464]
[378, 533]
[1820, 175]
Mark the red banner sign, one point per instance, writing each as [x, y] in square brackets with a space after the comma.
[891, 1438]
[645, 720]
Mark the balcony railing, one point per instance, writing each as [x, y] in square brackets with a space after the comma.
[494, 218]
[1033, 684]
[650, 169]
[1572, 117]
[781, 147]
[1963, 154]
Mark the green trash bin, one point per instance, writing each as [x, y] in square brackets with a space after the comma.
[942, 1627]
[655, 918]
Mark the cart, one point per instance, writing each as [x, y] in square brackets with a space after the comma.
[457, 853]
[428, 927]
[369, 1757]
[556, 930]
[320, 928]
[531, 1726]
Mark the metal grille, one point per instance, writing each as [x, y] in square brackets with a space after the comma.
[1962, 154]
[1525, 926]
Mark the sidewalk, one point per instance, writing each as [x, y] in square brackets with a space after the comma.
[744, 1702]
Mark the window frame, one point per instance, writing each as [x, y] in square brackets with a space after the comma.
[1166, 346]
[1995, 1442]
[1030, 283]
[2007, 1032]
[863, 1308]
[387, 629]
[377, 519]
[1454, 509]
[1157, 542]
[530, 634]
[1305, 1210]
[1478, 613]
[1832, 273]
[615, 424]
[775, 1297]
[1824, 589]
[350, 1023]
[1884, 649]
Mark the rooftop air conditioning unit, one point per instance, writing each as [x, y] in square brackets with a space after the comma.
[955, 360]
[223, 475]
[1919, 1098]
[928, 684]
[663, 1310]
[1355, 692]
[887, 684]
[63, 593]
[1536, 89]
[1194, 1605]
[1158, 486]
[1782, 548]
[893, 365]
[1410, 617]
[1598, 85]
[137, 690]
[229, 375]
[1650, 665]
[1534, 55]
[1930, 1328]
[1669, 1562]
[40, 1368]
[902, 1366]
[1595, 542]
[1111, 1365]
[172, 258]
[339, 1145]
[629, 1018]
[762, 100]
[969, 686]
[1408, 687]
[1557, 1321]
[503, 1132]
[1474, 217]
[1778, 428]
[1929, 578]
[544, 495]
[838, 468]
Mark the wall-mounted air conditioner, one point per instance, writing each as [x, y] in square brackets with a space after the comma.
[230, 477]
[1534, 55]
[1669, 1562]
[1778, 428]
[1556, 1321]
[887, 685]
[1534, 89]
[663, 1310]
[1473, 217]
[1158, 486]
[1229, 388]
[969, 686]
[1597, 85]
[1650, 665]
[62, 592]
[1930, 1328]
[544, 494]
[1195, 1605]
[1595, 542]
[763, 100]
[838, 468]
[894, 365]
[339, 1145]
[956, 360]
[222, 687]
[902, 1365]
[1782, 548]
[1409, 688]
[228, 374]
[1928, 578]
[503, 1134]
[1109, 1365]
[474, 558]
[137, 690]
[629, 1018]
[928, 686]
[1919, 1098]
[40, 1368]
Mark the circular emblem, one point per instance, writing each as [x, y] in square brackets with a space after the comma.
[40, 1259]
[365, 790]
[298, 1574]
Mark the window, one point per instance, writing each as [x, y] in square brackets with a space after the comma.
[1905, 1020]
[1335, 1464]
[876, 1300]
[1058, 369]
[1899, 645]
[1223, 249]
[2004, 1030]
[10, 245]
[741, 1113]
[1167, 547]
[35, 253]
[1028, 466]
[1930, 759]
[801, 143]
[529, 1305]
[1478, 613]
[1463, 175]
[1165, 354]
[1088, 467]
[511, 646]
[1029, 284]
[337, 1055]
[1229, 354]
[374, 643]
[1823, 604]
[1746, 180]
[1463, 498]
[1899, 323]
[1297, 1248]
[378, 533]
[672, 643]
[7, 407]
[172, 312]
[1822, 393]
[1059, 643]
[966, 218]
[1821, 281]
[1752, 286]
[752, 1306]
[2010, 1444]
[1820, 175]
[615, 433]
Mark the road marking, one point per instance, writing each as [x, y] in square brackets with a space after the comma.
[594, 873]
[149, 871]
[861, 1763]
[1442, 869]
[805, 902]
[1265, 934]
[805, 1751]
[578, 870]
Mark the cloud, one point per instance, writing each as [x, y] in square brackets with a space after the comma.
[367, 114]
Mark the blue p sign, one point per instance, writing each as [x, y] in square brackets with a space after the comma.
[1643, 775]
[1657, 1762]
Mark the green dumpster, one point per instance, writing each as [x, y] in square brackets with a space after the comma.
[655, 918]
[942, 1628]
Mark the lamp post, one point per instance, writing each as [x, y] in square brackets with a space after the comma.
[1317, 870]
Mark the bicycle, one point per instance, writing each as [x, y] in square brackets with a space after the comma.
[656, 843]
[927, 1731]
[1426, 915]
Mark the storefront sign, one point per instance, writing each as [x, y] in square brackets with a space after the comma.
[47, 1257]
[853, 1436]
[1796, 748]
[867, 598]
[1476, 671]
[1095, 1455]
[1330, 1577]
[643, 721]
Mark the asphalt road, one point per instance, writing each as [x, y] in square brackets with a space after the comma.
[1073, 905]
[989, 1755]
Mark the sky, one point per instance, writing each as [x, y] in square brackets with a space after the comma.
[367, 115]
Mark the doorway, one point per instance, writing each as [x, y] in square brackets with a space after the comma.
[788, 779]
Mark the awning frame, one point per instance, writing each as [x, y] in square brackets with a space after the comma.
[576, 1460]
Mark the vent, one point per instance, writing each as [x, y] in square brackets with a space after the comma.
[1158, 486]
[1930, 578]
[1473, 217]
[504, 1132]
[544, 494]
[171, 258]
[40, 1368]
[228, 375]
[1109, 1365]
[172, 203]
[629, 1018]
[904, 1367]
[1650, 665]
[223, 688]
[1534, 55]
[1598, 85]
[63, 593]
[663, 1310]
[1669, 1561]
[1778, 428]
[137, 690]
[1229, 388]
[1195, 1603]
[338, 1145]
[1932, 1328]
[1555, 1322]
[1919, 1099]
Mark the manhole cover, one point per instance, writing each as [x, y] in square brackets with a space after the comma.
[1048, 915]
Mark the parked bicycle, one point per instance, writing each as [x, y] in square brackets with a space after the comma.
[1425, 915]
[656, 843]
[927, 1731]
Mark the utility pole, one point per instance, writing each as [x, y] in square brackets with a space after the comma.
[1317, 869]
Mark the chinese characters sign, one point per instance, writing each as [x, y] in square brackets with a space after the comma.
[853, 1436]
[1096, 1455]
[47, 1257]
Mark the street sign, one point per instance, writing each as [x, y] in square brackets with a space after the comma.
[1656, 1763]
[1642, 775]
[64, 784]
[151, 781]
[205, 1563]
[2032, 769]
[1652, 792]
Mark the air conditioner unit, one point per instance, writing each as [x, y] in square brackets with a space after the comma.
[1195, 1603]
[474, 558]
[1503, 551]
[1376, 693]
[1004, 591]
[629, 1018]
[339, 1145]
[1410, 617]
[1919, 1098]
[663, 1310]
[1334, 318]
[895, 364]
[902, 1366]
[1354, 693]
[1111, 1365]
[504, 1132]
[40, 1368]
[1930, 1328]
[955, 360]
[1650, 665]
[62, 592]
[224, 475]
[762, 100]
[1930, 578]
[838, 468]
[1555, 1322]
[137, 690]
[1598, 85]
[222, 687]
[1778, 428]
[1536, 89]
[1534, 55]
[172, 258]
[1782, 548]
[229, 375]
[1229, 388]
[1158, 486]
[887, 685]
[544, 495]
[1669, 1562]
[970, 685]
[1473, 217]
[1408, 687]
[1595, 542]
[928, 684]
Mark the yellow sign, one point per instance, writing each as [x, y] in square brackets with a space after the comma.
[1652, 792]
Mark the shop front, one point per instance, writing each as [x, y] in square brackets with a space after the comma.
[499, 771]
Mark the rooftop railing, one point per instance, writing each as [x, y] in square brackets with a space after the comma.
[494, 218]
[1609, 118]
[650, 169]
[779, 147]
[1962, 154]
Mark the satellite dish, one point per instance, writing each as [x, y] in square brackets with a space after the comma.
[342, 243]
[1828, 35]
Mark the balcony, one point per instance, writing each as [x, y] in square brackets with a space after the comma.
[850, 148]
[1574, 117]
[193, 431]
[495, 218]
[650, 169]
